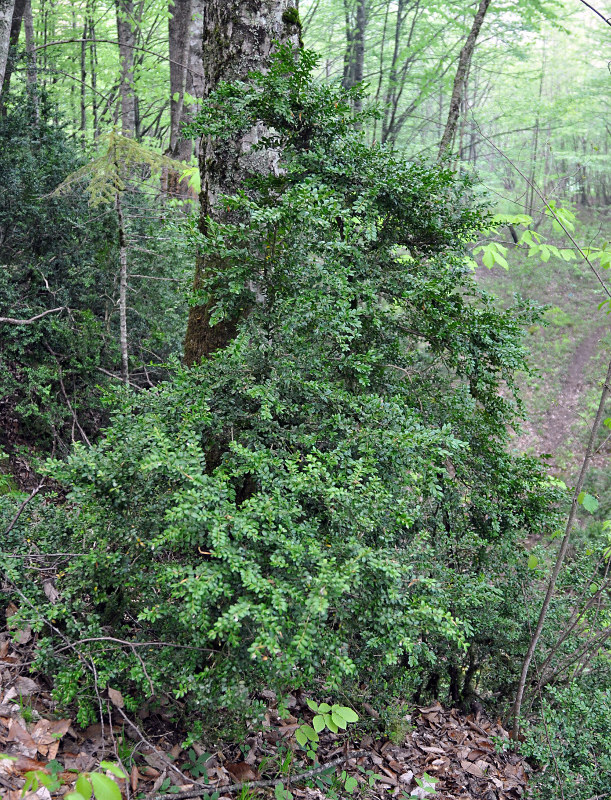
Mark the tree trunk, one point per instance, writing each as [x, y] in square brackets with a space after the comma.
[194, 84]
[122, 291]
[460, 79]
[126, 31]
[83, 80]
[30, 46]
[6, 18]
[354, 58]
[13, 42]
[178, 37]
[551, 586]
[530, 186]
[238, 37]
[93, 66]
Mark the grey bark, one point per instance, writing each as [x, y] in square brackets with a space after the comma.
[30, 47]
[194, 83]
[178, 37]
[19, 8]
[6, 17]
[460, 79]
[354, 57]
[84, 78]
[123, 345]
[126, 32]
[237, 38]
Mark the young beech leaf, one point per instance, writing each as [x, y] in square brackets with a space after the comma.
[115, 768]
[351, 784]
[301, 737]
[310, 733]
[318, 723]
[348, 714]
[104, 787]
[588, 502]
[532, 561]
[325, 707]
[312, 705]
[83, 787]
[339, 720]
[330, 724]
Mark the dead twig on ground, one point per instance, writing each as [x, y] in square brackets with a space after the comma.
[208, 791]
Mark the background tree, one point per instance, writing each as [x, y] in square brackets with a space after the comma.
[6, 18]
[461, 77]
[236, 41]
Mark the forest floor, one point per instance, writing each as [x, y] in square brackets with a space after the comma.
[569, 353]
[459, 756]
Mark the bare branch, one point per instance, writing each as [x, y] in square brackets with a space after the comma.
[12, 321]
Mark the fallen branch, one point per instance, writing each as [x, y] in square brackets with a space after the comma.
[12, 321]
[236, 787]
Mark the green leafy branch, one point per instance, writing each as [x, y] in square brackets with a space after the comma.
[563, 221]
[88, 784]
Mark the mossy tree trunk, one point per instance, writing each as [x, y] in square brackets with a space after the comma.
[238, 36]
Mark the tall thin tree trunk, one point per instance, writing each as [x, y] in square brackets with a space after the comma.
[349, 51]
[359, 48]
[194, 84]
[381, 68]
[30, 46]
[354, 55]
[122, 291]
[393, 71]
[530, 186]
[13, 43]
[6, 17]
[93, 66]
[126, 31]
[238, 38]
[83, 79]
[460, 79]
[534, 641]
[178, 37]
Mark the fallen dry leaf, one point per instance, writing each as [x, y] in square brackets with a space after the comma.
[116, 698]
[50, 590]
[241, 771]
[17, 733]
[26, 686]
[134, 778]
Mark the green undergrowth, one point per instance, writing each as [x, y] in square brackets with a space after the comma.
[330, 500]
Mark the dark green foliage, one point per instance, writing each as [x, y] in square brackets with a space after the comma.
[56, 252]
[330, 496]
[50, 257]
[571, 745]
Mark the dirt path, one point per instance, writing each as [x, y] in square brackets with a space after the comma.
[556, 428]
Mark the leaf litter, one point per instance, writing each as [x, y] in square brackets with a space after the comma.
[455, 756]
